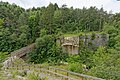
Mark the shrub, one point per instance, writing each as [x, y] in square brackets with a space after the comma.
[1, 65]
[109, 73]
[85, 55]
[18, 61]
[93, 36]
[33, 76]
[3, 56]
[47, 51]
[75, 67]
[73, 58]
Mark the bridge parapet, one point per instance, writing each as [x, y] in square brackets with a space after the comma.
[21, 52]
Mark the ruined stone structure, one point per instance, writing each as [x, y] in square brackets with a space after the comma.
[72, 45]
[21, 52]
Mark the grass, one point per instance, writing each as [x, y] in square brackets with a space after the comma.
[81, 33]
[64, 67]
[33, 75]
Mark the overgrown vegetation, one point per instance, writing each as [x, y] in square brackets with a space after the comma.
[33, 76]
[20, 75]
[47, 50]
[20, 27]
[3, 56]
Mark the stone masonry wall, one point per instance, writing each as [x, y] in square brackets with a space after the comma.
[71, 44]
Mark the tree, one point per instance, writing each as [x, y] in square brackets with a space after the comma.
[47, 17]
[46, 51]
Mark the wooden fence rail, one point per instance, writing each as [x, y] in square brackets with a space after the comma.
[66, 75]
[73, 74]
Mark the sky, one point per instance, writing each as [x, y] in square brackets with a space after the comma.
[108, 5]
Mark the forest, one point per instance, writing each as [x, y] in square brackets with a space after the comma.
[20, 27]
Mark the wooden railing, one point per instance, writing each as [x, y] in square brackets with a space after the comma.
[66, 75]
[78, 76]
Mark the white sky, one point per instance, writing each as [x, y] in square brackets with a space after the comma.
[108, 5]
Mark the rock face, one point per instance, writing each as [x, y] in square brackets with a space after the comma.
[72, 45]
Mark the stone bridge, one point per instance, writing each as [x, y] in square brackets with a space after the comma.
[21, 52]
[71, 45]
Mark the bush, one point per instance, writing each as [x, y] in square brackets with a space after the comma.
[3, 56]
[47, 50]
[73, 58]
[105, 65]
[93, 36]
[33, 76]
[18, 61]
[109, 73]
[85, 56]
[1, 65]
[75, 67]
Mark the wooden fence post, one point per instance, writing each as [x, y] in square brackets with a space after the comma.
[29, 67]
[55, 72]
[48, 70]
[17, 67]
[40, 68]
[81, 78]
[67, 76]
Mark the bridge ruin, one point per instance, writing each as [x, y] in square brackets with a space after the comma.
[72, 45]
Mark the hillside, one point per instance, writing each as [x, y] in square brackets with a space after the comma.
[44, 26]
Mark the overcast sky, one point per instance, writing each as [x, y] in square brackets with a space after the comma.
[108, 5]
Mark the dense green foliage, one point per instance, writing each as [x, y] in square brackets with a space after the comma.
[47, 50]
[20, 27]
[3, 56]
